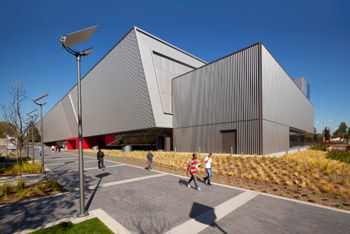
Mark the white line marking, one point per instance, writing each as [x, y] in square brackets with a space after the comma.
[127, 181]
[204, 220]
[237, 188]
[110, 222]
[96, 168]
[52, 164]
[70, 158]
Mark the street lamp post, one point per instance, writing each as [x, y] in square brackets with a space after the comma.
[323, 129]
[42, 129]
[68, 41]
[32, 116]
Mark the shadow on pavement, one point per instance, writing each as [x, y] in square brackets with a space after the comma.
[32, 214]
[204, 214]
[146, 219]
[95, 190]
[182, 182]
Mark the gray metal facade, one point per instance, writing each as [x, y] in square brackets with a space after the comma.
[129, 90]
[223, 95]
[114, 97]
[120, 93]
[247, 91]
[284, 106]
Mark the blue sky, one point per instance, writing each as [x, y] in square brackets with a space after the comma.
[308, 38]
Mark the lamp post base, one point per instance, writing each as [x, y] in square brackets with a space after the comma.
[82, 215]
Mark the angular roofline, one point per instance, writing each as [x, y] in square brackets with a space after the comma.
[168, 44]
[287, 73]
[218, 60]
[136, 29]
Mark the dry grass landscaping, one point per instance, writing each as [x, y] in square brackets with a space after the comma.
[306, 176]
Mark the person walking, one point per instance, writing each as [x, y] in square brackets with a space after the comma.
[192, 167]
[149, 159]
[53, 149]
[100, 156]
[208, 162]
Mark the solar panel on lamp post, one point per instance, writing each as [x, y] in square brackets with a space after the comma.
[32, 123]
[42, 129]
[68, 41]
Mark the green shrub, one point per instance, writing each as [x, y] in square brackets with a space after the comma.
[339, 155]
[297, 196]
[25, 193]
[319, 147]
[21, 185]
[52, 185]
[40, 186]
[5, 190]
[340, 205]
[16, 169]
[313, 200]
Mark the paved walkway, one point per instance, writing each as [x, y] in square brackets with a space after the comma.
[135, 200]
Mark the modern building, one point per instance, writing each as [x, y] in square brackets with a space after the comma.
[147, 92]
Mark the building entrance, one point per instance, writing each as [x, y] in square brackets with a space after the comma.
[228, 141]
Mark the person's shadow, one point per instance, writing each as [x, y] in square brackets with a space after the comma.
[95, 190]
[185, 182]
[205, 214]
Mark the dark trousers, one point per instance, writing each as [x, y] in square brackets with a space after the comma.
[194, 178]
[100, 163]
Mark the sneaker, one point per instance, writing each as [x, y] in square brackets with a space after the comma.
[188, 185]
[209, 183]
[103, 168]
[199, 189]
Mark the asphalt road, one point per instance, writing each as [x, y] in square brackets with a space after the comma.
[153, 202]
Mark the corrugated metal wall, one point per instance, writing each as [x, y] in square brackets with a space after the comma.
[56, 117]
[114, 97]
[220, 96]
[115, 92]
[283, 104]
[71, 118]
[275, 137]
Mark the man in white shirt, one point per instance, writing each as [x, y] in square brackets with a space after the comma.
[208, 162]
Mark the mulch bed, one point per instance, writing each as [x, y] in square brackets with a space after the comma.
[34, 193]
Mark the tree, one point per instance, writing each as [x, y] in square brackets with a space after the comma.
[341, 131]
[36, 134]
[4, 129]
[327, 133]
[14, 114]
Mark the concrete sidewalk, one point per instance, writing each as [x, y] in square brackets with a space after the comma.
[144, 201]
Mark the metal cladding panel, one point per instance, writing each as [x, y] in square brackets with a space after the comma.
[74, 100]
[223, 92]
[207, 137]
[70, 116]
[55, 125]
[283, 102]
[150, 47]
[275, 137]
[115, 97]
